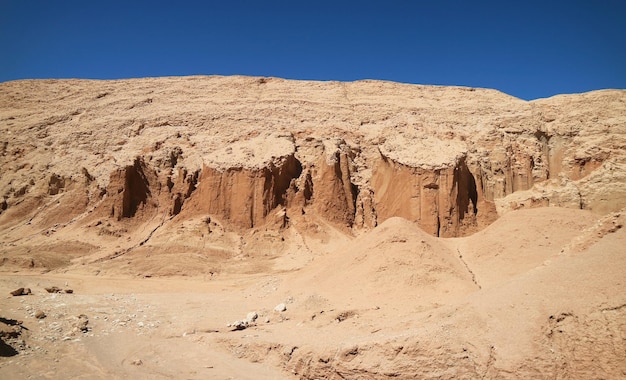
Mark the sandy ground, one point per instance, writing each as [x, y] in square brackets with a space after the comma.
[537, 294]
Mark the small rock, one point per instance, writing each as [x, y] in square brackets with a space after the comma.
[280, 307]
[69, 291]
[136, 362]
[240, 325]
[252, 316]
[53, 289]
[20, 292]
[40, 315]
[82, 323]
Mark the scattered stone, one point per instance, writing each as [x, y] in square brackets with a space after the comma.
[244, 323]
[82, 323]
[251, 317]
[240, 325]
[280, 307]
[136, 362]
[40, 315]
[53, 289]
[20, 292]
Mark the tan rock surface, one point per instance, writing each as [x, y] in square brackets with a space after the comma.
[173, 206]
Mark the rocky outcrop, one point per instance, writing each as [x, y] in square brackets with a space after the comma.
[333, 195]
[442, 201]
[243, 196]
[131, 190]
[181, 187]
[350, 154]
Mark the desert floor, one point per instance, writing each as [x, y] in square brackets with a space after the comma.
[540, 293]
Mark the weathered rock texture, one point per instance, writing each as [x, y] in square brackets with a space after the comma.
[254, 152]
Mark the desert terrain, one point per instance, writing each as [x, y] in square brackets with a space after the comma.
[260, 228]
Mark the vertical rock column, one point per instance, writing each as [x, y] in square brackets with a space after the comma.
[334, 195]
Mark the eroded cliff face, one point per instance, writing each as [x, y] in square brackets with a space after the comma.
[262, 152]
[243, 196]
[443, 201]
[333, 195]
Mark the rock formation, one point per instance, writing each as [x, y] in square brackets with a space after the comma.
[264, 152]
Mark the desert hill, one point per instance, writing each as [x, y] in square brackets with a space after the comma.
[409, 231]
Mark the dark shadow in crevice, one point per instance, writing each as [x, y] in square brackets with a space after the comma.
[466, 191]
[136, 189]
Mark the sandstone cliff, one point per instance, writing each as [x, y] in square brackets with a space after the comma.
[254, 152]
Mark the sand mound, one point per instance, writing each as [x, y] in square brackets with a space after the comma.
[395, 257]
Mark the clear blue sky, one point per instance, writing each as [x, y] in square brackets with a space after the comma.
[526, 48]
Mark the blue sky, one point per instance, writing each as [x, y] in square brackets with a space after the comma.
[529, 49]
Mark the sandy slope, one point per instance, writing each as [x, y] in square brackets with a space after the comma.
[393, 302]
